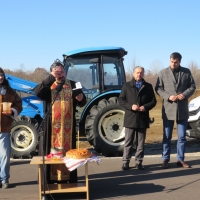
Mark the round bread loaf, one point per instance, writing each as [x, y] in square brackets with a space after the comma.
[78, 153]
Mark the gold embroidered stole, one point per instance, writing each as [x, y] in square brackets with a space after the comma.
[62, 123]
[0, 109]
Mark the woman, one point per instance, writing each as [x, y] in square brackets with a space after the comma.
[7, 94]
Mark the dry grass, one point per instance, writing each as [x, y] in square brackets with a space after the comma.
[154, 133]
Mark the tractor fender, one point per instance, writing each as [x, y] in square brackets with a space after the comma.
[95, 101]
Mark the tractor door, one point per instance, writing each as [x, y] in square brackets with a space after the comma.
[113, 75]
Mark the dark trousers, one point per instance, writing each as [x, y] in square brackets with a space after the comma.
[128, 145]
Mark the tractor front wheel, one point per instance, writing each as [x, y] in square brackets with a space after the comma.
[24, 139]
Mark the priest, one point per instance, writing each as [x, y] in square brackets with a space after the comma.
[60, 124]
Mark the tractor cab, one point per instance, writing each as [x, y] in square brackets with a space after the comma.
[98, 69]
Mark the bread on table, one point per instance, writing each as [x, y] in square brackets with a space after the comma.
[78, 153]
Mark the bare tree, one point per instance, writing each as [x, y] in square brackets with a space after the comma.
[155, 67]
[152, 74]
[194, 68]
[129, 71]
[36, 76]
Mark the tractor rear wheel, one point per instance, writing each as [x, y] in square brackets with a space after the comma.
[104, 127]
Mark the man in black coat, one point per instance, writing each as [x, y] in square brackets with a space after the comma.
[137, 98]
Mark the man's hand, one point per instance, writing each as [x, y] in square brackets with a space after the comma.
[79, 97]
[135, 107]
[173, 98]
[58, 74]
[54, 73]
[141, 109]
[180, 97]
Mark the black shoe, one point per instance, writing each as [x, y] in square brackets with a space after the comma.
[125, 166]
[139, 166]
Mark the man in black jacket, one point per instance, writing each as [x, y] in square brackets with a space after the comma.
[137, 97]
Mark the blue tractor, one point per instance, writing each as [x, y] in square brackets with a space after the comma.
[101, 73]
[24, 135]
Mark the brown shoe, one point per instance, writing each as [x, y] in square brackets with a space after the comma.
[165, 164]
[182, 164]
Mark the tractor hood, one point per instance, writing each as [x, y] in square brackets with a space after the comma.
[21, 85]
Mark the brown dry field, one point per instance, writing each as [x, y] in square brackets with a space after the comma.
[154, 133]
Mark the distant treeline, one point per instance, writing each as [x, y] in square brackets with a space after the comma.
[150, 76]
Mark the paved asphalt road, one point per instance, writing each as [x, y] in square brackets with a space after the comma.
[108, 181]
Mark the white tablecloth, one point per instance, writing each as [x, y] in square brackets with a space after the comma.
[73, 164]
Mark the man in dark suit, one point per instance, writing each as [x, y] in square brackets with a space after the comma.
[175, 85]
[137, 98]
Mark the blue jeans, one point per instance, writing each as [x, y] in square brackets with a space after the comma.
[5, 152]
[167, 136]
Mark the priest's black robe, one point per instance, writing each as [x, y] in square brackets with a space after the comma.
[43, 91]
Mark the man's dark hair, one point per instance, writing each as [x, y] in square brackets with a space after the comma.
[56, 64]
[5, 82]
[176, 55]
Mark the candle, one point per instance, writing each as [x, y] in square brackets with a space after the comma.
[78, 139]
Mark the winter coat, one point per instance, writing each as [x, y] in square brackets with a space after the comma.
[144, 97]
[16, 107]
[167, 85]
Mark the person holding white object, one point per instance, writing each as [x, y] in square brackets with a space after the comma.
[7, 97]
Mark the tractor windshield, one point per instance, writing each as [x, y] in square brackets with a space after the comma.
[82, 70]
[96, 75]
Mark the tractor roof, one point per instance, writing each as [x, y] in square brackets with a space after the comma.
[97, 50]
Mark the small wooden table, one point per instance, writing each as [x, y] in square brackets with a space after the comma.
[59, 188]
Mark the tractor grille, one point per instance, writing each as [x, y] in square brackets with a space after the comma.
[194, 112]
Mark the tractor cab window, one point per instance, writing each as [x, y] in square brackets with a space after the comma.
[86, 72]
[112, 72]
